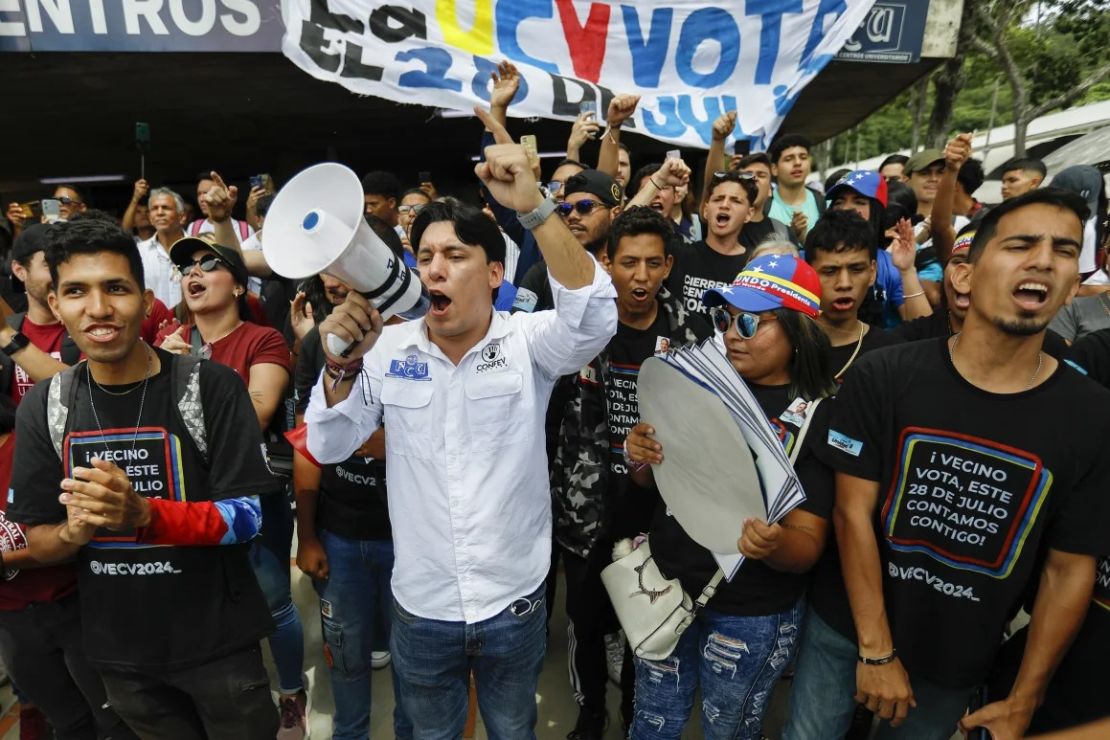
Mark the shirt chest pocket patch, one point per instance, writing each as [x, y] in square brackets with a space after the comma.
[407, 408]
[494, 403]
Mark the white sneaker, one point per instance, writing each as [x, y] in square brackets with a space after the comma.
[614, 655]
[380, 659]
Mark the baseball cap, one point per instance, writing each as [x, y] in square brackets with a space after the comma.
[770, 282]
[32, 239]
[182, 251]
[923, 159]
[595, 182]
[867, 183]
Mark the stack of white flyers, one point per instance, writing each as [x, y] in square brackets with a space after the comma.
[704, 477]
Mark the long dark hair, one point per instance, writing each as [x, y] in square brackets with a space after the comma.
[811, 374]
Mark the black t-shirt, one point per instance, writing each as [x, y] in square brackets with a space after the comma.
[698, 267]
[756, 589]
[972, 487]
[872, 340]
[936, 326]
[352, 500]
[1091, 354]
[533, 293]
[153, 607]
[632, 507]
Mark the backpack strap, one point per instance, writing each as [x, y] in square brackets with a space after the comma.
[185, 380]
[59, 398]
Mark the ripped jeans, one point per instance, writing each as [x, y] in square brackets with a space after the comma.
[735, 660]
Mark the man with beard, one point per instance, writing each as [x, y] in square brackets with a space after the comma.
[590, 202]
[947, 513]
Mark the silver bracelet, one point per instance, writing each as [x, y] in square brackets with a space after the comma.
[913, 295]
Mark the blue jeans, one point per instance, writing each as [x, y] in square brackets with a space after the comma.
[736, 661]
[433, 659]
[823, 699]
[269, 557]
[356, 606]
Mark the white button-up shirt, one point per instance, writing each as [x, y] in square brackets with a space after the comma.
[161, 275]
[465, 457]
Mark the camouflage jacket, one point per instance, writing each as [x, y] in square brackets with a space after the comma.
[580, 486]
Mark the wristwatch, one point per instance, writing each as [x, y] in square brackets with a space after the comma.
[19, 341]
[543, 211]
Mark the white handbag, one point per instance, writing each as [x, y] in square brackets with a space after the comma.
[654, 611]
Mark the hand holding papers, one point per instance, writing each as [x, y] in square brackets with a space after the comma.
[722, 461]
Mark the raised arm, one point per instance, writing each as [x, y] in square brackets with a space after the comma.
[722, 127]
[584, 128]
[620, 110]
[507, 174]
[915, 302]
[673, 173]
[506, 82]
[137, 195]
[885, 689]
[221, 199]
[940, 220]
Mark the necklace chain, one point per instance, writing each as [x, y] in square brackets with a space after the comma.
[1032, 378]
[142, 401]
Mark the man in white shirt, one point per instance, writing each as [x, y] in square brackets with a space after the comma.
[464, 392]
[167, 211]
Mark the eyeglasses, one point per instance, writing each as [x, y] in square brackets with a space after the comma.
[68, 201]
[206, 264]
[554, 187]
[584, 207]
[413, 209]
[747, 324]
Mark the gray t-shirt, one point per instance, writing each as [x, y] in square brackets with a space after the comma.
[1083, 316]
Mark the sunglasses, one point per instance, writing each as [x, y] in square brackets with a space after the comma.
[411, 209]
[206, 264]
[719, 175]
[747, 324]
[584, 207]
[68, 201]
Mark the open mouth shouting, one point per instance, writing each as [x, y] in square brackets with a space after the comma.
[843, 304]
[1031, 295]
[440, 303]
[640, 295]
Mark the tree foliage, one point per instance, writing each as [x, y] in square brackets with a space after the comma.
[1054, 51]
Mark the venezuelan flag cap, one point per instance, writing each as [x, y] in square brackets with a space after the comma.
[770, 282]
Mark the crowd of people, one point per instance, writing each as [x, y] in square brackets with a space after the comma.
[175, 415]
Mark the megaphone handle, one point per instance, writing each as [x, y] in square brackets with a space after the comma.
[338, 347]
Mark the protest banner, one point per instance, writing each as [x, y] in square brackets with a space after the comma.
[689, 60]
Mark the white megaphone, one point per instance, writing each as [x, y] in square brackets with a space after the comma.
[316, 224]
